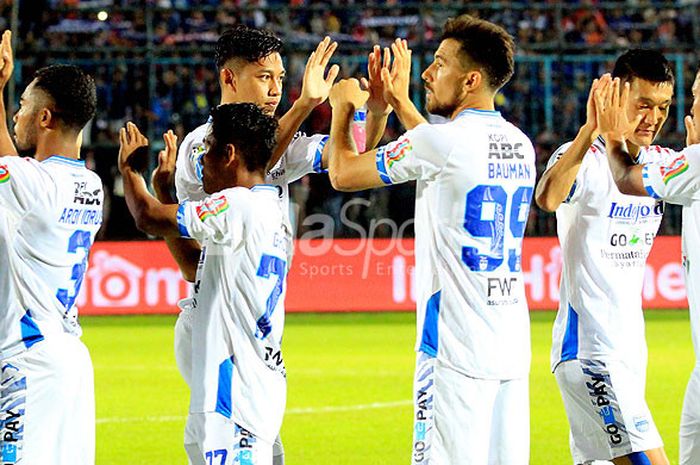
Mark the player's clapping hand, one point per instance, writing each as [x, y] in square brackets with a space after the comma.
[348, 92]
[317, 84]
[163, 177]
[396, 80]
[131, 142]
[611, 110]
[692, 135]
[373, 83]
[6, 60]
[591, 118]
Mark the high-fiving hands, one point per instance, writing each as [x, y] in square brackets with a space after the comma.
[376, 103]
[130, 141]
[315, 87]
[163, 177]
[6, 59]
[611, 109]
[348, 92]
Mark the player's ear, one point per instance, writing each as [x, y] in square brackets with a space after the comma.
[231, 155]
[227, 78]
[473, 80]
[46, 118]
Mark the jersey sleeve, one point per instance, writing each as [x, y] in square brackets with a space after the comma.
[420, 153]
[303, 156]
[579, 183]
[675, 177]
[218, 218]
[188, 169]
[20, 184]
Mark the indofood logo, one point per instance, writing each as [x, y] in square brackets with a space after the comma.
[634, 212]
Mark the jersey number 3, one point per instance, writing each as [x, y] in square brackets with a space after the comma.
[485, 216]
[79, 240]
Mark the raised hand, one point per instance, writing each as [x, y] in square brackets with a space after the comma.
[315, 87]
[397, 80]
[692, 136]
[611, 109]
[591, 118]
[163, 177]
[6, 59]
[373, 83]
[348, 92]
[130, 141]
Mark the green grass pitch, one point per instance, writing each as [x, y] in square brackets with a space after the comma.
[349, 388]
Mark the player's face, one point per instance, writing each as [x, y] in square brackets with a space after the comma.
[444, 79]
[261, 83]
[216, 172]
[26, 118]
[652, 101]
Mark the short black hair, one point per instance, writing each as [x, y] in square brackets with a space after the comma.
[246, 43]
[248, 129]
[649, 65]
[484, 45]
[72, 91]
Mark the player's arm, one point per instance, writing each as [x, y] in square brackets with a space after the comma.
[557, 181]
[314, 91]
[396, 85]
[7, 147]
[347, 170]
[611, 105]
[186, 252]
[151, 216]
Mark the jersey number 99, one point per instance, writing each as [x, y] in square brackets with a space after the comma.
[485, 216]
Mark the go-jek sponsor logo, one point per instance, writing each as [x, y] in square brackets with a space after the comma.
[635, 212]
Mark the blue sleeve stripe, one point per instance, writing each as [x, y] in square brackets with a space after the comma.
[181, 221]
[381, 166]
[318, 156]
[647, 183]
[571, 192]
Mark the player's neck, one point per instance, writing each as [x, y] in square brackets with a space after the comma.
[633, 150]
[474, 102]
[247, 179]
[55, 145]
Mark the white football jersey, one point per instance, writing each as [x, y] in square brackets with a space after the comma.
[605, 237]
[676, 179]
[237, 365]
[475, 177]
[50, 212]
[302, 157]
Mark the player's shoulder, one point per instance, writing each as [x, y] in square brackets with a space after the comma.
[195, 137]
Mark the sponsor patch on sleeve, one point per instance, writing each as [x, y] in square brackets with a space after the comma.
[674, 169]
[212, 207]
[4, 174]
[397, 151]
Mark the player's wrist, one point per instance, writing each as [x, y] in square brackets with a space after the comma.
[590, 132]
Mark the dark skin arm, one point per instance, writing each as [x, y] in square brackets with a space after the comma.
[186, 252]
[7, 146]
[151, 216]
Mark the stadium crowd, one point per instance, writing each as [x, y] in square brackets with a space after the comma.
[152, 63]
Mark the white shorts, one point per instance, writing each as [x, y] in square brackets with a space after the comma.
[690, 421]
[183, 339]
[458, 419]
[47, 405]
[607, 413]
[183, 359]
[211, 438]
